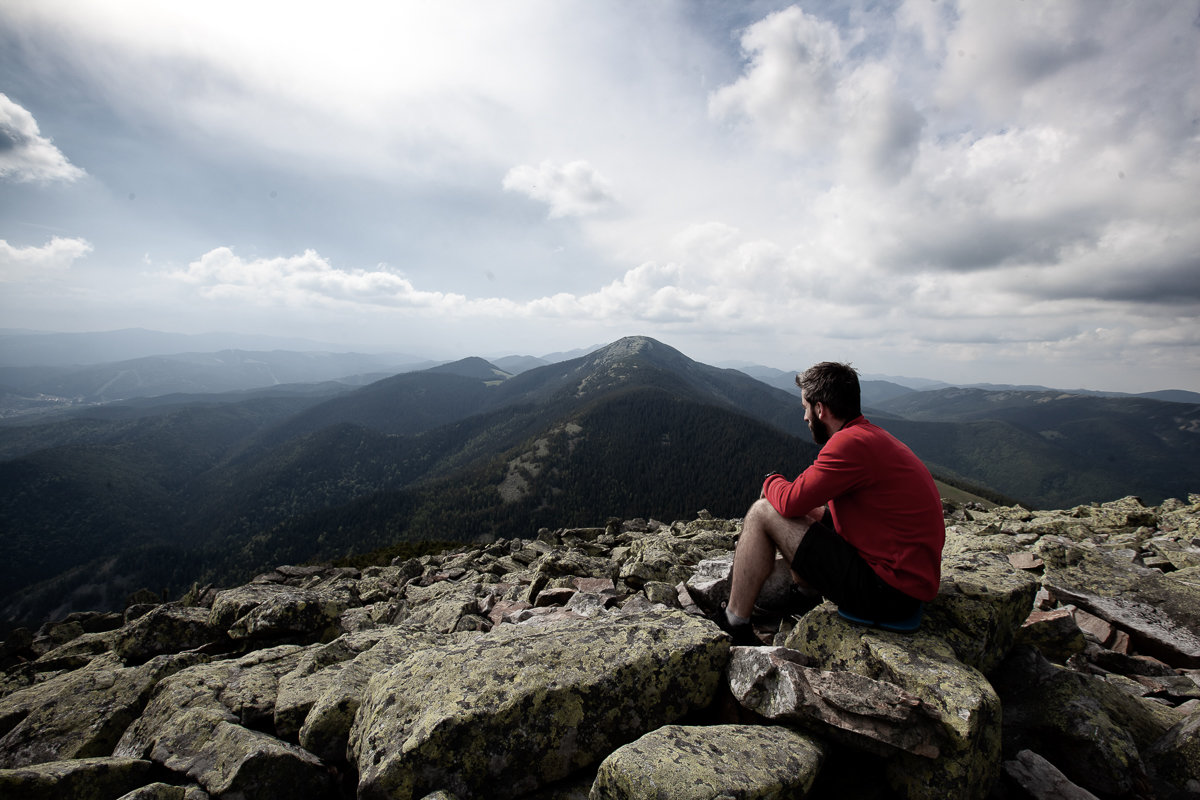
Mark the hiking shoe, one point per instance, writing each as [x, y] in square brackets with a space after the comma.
[800, 603]
[742, 635]
[794, 602]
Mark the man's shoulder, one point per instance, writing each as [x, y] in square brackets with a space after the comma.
[861, 432]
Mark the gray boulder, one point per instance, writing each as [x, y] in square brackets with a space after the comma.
[1160, 612]
[501, 715]
[1089, 729]
[79, 714]
[169, 628]
[775, 683]
[100, 778]
[714, 761]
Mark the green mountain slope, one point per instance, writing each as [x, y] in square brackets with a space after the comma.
[1052, 449]
[160, 494]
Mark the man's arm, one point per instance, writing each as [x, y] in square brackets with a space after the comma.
[834, 473]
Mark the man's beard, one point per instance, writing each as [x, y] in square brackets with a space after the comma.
[820, 431]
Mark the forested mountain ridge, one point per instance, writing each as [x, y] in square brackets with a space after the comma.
[210, 490]
[1051, 448]
[166, 492]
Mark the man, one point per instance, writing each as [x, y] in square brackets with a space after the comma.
[862, 526]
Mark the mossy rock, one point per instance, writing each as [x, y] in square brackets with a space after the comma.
[676, 762]
[923, 664]
[100, 778]
[501, 715]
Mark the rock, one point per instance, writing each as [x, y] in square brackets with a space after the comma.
[1041, 780]
[774, 683]
[319, 698]
[269, 611]
[1090, 730]
[79, 714]
[709, 585]
[439, 607]
[981, 604]
[166, 791]
[101, 778]
[168, 628]
[229, 760]
[703, 762]
[255, 690]
[593, 687]
[926, 666]
[1160, 612]
[1174, 760]
[242, 689]
[1054, 633]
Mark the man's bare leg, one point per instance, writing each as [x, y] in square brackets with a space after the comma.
[764, 532]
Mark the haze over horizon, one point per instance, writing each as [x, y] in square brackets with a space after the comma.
[972, 191]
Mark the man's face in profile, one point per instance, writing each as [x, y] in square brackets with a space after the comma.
[820, 431]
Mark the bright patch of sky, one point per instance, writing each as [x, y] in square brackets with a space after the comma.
[968, 190]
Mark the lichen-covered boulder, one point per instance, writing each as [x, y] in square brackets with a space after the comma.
[316, 706]
[168, 628]
[79, 714]
[981, 604]
[709, 584]
[671, 556]
[196, 724]
[275, 612]
[1160, 612]
[1174, 760]
[870, 714]
[1055, 634]
[442, 605]
[229, 760]
[244, 688]
[100, 778]
[166, 791]
[958, 696]
[704, 762]
[503, 713]
[1089, 729]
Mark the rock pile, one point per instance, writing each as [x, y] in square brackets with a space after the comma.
[1060, 659]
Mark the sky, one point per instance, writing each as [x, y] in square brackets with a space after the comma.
[1000, 191]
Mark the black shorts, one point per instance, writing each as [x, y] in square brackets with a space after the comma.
[833, 567]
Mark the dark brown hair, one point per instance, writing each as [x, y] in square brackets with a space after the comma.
[835, 385]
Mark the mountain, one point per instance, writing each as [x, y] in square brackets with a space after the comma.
[1054, 448]
[874, 392]
[214, 491]
[167, 491]
[38, 348]
[30, 389]
[472, 368]
[514, 365]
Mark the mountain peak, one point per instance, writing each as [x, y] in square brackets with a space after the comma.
[473, 367]
[631, 346]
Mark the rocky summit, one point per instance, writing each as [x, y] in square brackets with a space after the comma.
[1061, 659]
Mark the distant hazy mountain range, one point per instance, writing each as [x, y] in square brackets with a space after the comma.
[304, 456]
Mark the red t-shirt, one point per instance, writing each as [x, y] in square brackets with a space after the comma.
[883, 501]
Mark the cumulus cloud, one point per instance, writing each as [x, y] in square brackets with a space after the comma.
[51, 260]
[574, 189]
[26, 155]
[307, 279]
[805, 95]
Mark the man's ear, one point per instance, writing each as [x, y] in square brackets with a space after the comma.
[819, 409]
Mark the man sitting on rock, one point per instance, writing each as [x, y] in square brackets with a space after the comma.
[862, 526]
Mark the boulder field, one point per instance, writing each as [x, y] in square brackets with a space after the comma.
[1061, 659]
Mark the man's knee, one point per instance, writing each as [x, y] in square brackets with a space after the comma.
[762, 510]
